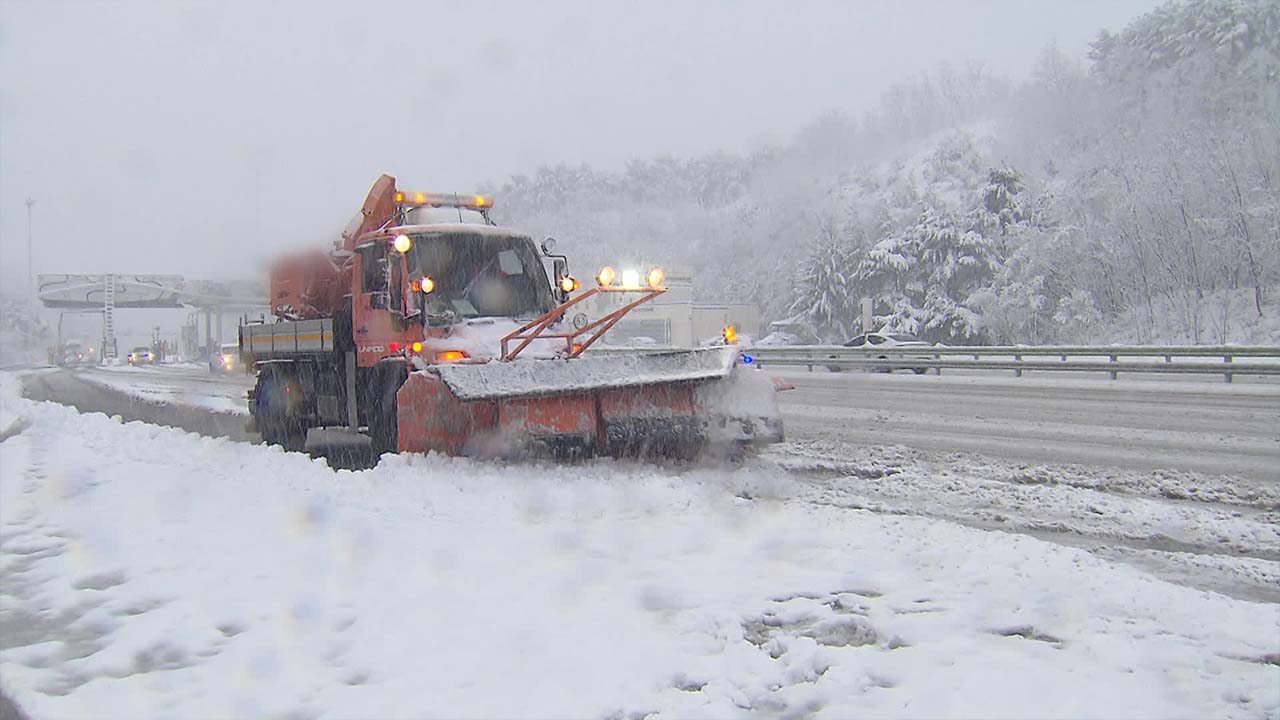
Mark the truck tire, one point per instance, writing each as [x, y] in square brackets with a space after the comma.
[384, 428]
[263, 399]
[277, 422]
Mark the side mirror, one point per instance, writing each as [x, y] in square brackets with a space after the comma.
[410, 305]
[561, 266]
[559, 271]
[440, 315]
[395, 287]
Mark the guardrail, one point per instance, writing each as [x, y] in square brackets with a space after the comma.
[1112, 359]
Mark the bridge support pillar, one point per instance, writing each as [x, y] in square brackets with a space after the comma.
[108, 348]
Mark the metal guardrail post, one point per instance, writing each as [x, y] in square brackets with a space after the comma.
[1018, 372]
[938, 370]
[1226, 376]
[1114, 374]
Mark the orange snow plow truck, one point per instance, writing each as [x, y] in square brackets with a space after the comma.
[429, 328]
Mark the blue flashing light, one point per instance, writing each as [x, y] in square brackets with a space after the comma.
[748, 359]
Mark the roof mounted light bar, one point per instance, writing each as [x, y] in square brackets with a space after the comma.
[419, 199]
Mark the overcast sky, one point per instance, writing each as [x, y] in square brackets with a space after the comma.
[198, 137]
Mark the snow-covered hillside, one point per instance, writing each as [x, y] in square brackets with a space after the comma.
[1132, 194]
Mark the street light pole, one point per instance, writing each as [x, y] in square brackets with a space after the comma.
[31, 286]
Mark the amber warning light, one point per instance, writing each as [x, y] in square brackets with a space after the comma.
[418, 199]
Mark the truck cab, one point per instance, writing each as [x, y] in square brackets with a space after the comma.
[449, 283]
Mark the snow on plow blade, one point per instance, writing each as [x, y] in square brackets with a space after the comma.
[677, 404]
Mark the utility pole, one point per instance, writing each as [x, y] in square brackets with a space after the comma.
[31, 285]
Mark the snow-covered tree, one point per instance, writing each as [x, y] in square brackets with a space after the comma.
[923, 277]
[825, 296]
[24, 337]
[1137, 190]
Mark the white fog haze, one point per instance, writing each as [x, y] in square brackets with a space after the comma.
[198, 137]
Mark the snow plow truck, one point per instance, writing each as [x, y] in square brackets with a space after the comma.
[429, 328]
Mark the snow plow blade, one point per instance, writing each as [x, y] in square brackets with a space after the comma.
[679, 404]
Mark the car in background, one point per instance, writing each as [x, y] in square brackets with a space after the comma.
[784, 332]
[73, 353]
[226, 360]
[141, 355]
[885, 339]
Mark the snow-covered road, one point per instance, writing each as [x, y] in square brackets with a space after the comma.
[1181, 479]
[1138, 424]
[150, 396]
[1118, 495]
[188, 384]
[150, 572]
[1211, 532]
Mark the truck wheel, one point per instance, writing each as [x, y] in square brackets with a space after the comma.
[384, 428]
[264, 400]
[293, 436]
[276, 423]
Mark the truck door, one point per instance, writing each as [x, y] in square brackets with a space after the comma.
[372, 325]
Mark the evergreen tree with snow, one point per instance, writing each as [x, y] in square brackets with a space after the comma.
[825, 296]
[924, 276]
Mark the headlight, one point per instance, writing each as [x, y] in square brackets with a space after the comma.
[568, 284]
[630, 278]
[656, 276]
[402, 243]
[606, 276]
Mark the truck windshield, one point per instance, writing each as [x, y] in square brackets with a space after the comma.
[479, 275]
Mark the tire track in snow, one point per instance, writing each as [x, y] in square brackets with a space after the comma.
[1233, 549]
